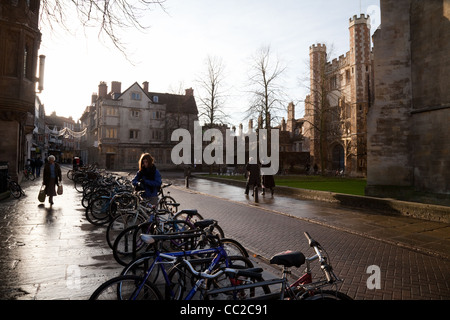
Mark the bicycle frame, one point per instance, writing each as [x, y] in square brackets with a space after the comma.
[303, 285]
[161, 259]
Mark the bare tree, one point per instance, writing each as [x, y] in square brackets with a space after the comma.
[213, 94]
[109, 16]
[266, 89]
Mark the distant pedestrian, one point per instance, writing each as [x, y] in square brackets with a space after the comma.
[33, 165]
[52, 178]
[38, 164]
[268, 182]
[148, 178]
[253, 176]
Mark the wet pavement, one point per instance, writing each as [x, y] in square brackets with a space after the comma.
[53, 252]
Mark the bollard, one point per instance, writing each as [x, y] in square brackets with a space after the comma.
[255, 193]
[186, 182]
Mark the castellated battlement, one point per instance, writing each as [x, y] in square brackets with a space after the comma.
[318, 47]
[338, 63]
[362, 19]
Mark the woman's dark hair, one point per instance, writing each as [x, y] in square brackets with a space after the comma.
[148, 157]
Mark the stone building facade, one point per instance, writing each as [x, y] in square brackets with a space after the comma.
[123, 125]
[341, 93]
[408, 125]
[20, 39]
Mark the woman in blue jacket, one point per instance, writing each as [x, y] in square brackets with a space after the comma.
[148, 178]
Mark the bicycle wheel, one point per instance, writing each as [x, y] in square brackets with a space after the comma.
[139, 266]
[325, 295]
[165, 204]
[126, 288]
[97, 212]
[120, 223]
[15, 189]
[234, 248]
[189, 217]
[128, 243]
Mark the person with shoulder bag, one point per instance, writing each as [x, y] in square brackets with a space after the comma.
[52, 178]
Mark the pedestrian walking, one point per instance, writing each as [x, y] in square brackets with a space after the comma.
[52, 178]
[253, 176]
[268, 181]
[148, 178]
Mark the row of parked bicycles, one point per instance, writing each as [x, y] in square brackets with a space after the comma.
[168, 253]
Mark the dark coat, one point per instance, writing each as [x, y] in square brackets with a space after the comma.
[47, 174]
[267, 180]
[254, 174]
[150, 180]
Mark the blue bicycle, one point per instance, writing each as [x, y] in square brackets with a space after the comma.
[176, 282]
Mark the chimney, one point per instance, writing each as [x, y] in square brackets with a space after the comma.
[94, 98]
[102, 90]
[190, 92]
[116, 87]
[145, 86]
[250, 125]
[283, 125]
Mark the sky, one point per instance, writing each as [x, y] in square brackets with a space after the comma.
[171, 53]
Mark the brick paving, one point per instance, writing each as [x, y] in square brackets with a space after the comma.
[405, 274]
[55, 253]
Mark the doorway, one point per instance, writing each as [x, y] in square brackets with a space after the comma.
[110, 161]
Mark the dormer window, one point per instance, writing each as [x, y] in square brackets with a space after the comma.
[155, 99]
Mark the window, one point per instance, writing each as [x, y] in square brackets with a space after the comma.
[156, 115]
[135, 96]
[347, 76]
[111, 133]
[135, 113]
[25, 61]
[111, 111]
[134, 134]
[155, 99]
[156, 135]
[333, 82]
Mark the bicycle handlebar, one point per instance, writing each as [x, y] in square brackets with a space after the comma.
[326, 268]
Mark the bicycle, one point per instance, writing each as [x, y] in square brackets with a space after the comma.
[165, 201]
[130, 210]
[28, 173]
[128, 244]
[14, 188]
[197, 238]
[304, 288]
[132, 287]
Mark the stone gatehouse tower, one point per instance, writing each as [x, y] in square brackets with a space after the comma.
[409, 123]
[341, 93]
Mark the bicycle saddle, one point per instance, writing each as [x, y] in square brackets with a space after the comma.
[189, 211]
[288, 259]
[204, 223]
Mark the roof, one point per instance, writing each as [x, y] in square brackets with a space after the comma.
[174, 102]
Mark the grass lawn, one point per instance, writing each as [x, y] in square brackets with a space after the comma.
[322, 183]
